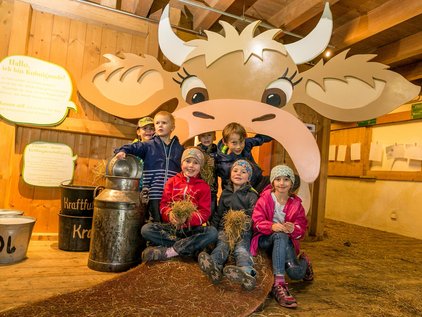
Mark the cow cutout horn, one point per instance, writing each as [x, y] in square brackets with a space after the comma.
[315, 42]
[170, 44]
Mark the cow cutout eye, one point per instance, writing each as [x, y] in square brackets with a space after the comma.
[278, 93]
[194, 90]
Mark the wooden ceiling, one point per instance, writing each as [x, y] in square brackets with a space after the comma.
[392, 29]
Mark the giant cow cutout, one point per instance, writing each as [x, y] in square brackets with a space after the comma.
[253, 80]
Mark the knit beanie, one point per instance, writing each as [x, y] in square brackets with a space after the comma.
[244, 164]
[282, 170]
[194, 153]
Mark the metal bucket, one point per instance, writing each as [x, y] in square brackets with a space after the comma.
[130, 166]
[10, 213]
[15, 233]
[116, 228]
[74, 233]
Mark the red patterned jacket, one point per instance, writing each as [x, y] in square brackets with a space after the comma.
[180, 187]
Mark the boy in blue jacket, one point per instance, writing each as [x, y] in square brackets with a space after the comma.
[236, 145]
[161, 156]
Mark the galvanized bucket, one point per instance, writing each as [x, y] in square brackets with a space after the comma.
[116, 226]
[15, 233]
[10, 213]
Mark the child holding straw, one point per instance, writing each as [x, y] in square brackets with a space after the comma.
[233, 222]
[279, 221]
[185, 209]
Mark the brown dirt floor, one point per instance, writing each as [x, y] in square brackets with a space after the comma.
[358, 272]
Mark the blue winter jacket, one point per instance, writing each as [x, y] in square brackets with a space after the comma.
[224, 161]
[159, 165]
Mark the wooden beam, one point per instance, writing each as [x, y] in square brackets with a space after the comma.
[319, 192]
[76, 125]
[21, 27]
[92, 14]
[204, 19]
[130, 5]
[411, 72]
[143, 7]
[405, 48]
[389, 14]
[297, 12]
[18, 45]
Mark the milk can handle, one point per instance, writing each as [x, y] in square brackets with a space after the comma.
[98, 190]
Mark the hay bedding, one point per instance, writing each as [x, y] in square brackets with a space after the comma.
[172, 288]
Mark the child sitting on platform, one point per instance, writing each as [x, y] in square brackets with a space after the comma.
[185, 209]
[279, 221]
[236, 201]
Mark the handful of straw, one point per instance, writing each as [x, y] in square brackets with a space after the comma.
[235, 223]
[182, 210]
[207, 170]
[99, 171]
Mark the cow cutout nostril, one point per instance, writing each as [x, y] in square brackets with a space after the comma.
[265, 117]
[202, 115]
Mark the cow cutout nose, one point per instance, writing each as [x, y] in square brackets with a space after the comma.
[265, 117]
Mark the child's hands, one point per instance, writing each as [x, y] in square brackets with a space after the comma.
[286, 227]
[289, 227]
[277, 227]
[175, 220]
[120, 155]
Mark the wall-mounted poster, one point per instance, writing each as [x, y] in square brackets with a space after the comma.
[48, 164]
[33, 91]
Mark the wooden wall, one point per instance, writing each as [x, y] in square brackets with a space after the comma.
[78, 46]
[75, 36]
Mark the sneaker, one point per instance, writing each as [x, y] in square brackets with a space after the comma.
[154, 254]
[209, 267]
[309, 274]
[283, 297]
[237, 275]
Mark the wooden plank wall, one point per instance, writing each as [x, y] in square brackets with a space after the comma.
[77, 46]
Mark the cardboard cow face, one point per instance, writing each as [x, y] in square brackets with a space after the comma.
[252, 80]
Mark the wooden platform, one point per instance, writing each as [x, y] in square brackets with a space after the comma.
[358, 272]
[47, 271]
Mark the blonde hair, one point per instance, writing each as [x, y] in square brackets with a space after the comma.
[166, 114]
[234, 128]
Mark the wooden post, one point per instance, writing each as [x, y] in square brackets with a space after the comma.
[316, 227]
[18, 45]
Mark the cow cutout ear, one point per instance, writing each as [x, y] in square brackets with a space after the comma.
[353, 89]
[129, 87]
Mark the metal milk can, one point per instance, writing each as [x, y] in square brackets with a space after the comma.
[116, 226]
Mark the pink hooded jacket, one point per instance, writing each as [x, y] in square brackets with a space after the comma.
[262, 218]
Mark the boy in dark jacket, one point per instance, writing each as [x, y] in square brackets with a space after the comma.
[238, 195]
[210, 149]
[235, 145]
[161, 156]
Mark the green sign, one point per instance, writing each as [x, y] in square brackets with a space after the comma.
[367, 122]
[417, 111]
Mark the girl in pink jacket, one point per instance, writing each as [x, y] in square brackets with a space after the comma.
[279, 221]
